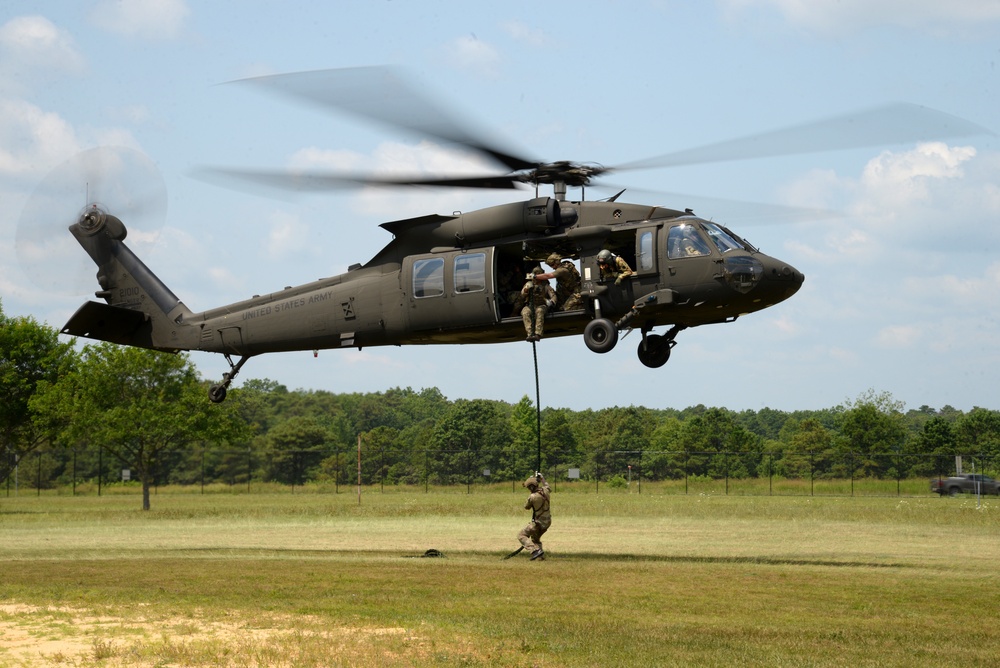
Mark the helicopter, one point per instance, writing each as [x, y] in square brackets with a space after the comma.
[453, 279]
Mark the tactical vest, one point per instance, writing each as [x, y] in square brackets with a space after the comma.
[568, 288]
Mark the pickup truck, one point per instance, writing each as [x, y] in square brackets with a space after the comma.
[968, 482]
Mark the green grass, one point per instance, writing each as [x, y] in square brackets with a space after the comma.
[664, 579]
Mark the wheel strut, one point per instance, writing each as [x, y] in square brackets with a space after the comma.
[217, 393]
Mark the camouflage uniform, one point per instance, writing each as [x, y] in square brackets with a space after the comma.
[567, 283]
[620, 271]
[537, 299]
[538, 503]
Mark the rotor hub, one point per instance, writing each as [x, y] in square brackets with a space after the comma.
[565, 172]
[93, 219]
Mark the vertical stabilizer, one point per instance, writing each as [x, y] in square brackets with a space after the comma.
[139, 309]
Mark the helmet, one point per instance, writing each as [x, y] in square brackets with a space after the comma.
[530, 483]
[537, 270]
[605, 256]
[554, 259]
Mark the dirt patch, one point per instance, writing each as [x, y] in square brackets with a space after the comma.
[52, 636]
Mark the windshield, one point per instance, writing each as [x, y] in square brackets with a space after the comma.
[724, 241]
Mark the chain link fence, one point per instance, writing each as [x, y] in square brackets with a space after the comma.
[842, 473]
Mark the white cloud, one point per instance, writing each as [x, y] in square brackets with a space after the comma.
[32, 51]
[315, 158]
[32, 140]
[897, 181]
[223, 279]
[36, 41]
[898, 336]
[525, 34]
[147, 19]
[903, 202]
[956, 291]
[471, 53]
[288, 236]
[840, 16]
[402, 160]
[133, 114]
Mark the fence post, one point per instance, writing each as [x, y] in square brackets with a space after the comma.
[850, 458]
[812, 475]
[725, 465]
[770, 474]
[899, 473]
[687, 465]
[640, 471]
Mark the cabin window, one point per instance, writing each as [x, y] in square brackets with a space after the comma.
[646, 251]
[685, 241]
[470, 273]
[428, 278]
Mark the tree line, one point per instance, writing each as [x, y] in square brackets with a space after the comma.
[149, 412]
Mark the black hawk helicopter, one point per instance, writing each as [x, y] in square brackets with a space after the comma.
[451, 279]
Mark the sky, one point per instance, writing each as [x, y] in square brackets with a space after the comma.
[901, 293]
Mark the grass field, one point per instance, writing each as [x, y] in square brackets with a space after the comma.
[317, 579]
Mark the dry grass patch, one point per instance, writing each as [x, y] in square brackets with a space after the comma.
[33, 635]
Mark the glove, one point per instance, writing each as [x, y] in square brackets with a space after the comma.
[618, 281]
[549, 304]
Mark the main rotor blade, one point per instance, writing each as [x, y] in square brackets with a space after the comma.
[381, 94]
[326, 181]
[890, 124]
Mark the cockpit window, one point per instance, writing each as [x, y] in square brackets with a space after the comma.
[721, 238]
[685, 241]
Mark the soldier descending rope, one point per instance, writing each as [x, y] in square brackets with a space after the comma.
[538, 503]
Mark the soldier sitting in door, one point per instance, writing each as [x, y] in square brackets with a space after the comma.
[613, 267]
[537, 299]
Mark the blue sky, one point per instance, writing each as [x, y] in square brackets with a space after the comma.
[901, 289]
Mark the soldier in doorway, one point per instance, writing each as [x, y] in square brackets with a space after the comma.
[568, 282]
[537, 299]
[613, 267]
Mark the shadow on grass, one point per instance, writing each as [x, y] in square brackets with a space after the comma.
[560, 556]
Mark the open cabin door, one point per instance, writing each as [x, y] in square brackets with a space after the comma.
[450, 290]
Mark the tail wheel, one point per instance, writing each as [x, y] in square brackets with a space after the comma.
[600, 335]
[217, 394]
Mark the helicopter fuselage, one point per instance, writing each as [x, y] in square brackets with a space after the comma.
[453, 280]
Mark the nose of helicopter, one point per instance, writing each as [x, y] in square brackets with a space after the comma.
[783, 280]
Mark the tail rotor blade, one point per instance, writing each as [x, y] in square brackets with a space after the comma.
[118, 180]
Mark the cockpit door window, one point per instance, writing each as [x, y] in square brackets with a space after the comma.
[684, 240]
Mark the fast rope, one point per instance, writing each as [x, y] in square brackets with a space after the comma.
[538, 409]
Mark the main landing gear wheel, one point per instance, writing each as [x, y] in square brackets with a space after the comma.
[654, 351]
[600, 335]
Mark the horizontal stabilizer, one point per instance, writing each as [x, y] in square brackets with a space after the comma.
[114, 324]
